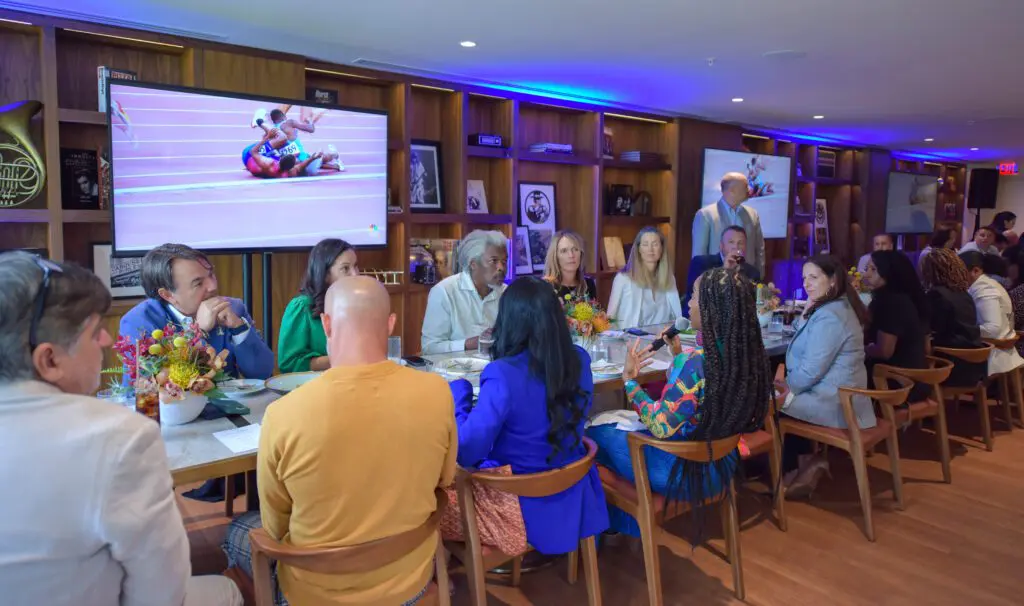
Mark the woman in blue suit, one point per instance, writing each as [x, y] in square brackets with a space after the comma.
[534, 399]
[826, 353]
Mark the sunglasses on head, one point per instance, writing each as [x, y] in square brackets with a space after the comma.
[48, 268]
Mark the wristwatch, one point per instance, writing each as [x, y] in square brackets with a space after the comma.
[244, 326]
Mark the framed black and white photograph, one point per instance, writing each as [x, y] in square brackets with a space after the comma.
[122, 275]
[425, 192]
[521, 249]
[537, 212]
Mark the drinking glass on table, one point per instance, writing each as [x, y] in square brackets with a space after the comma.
[395, 349]
[599, 351]
[777, 323]
[484, 343]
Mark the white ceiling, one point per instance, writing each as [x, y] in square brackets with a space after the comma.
[883, 72]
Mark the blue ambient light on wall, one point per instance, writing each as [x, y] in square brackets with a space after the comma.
[557, 91]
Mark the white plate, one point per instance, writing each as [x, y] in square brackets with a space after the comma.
[604, 370]
[285, 383]
[241, 388]
[461, 367]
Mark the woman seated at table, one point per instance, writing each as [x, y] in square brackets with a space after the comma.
[952, 317]
[644, 292]
[826, 353]
[533, 402]
[302, 344]
[899, 317]
[563, 267]
[712, 393]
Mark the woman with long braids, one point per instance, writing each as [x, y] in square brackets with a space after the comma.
[533, 402]
[952, 316]
[713, 392]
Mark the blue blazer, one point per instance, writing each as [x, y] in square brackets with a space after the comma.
[251, 358]
[702, 263]
[826, 353]
[509, 426]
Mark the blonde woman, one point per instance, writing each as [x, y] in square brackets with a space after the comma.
[563, 266]
[644, 292]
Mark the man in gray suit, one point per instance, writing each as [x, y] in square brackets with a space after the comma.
[711, 221]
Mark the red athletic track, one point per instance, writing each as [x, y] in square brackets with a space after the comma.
[190, 151]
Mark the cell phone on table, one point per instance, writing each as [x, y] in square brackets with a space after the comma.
[636, 332]
[415, 361]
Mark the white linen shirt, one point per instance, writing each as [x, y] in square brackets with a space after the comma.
[88, 517]
[455, 312]
[995, 319]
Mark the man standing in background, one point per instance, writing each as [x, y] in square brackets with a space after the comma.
[711, 221]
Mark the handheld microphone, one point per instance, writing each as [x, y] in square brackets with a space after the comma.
[669, 334]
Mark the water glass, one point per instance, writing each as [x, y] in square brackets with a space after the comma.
[777, 323]
[599, 351]
[395, 349]
[484, 344]
[123, 398]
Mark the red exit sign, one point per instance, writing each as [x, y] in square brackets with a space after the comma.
[1008, 168]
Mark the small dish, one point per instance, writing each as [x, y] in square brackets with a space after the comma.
[606, 370]
[241, 388]
[461, 367]
[291, 381]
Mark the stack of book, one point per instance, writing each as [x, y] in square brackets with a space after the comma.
[639, 156]
[551, 148]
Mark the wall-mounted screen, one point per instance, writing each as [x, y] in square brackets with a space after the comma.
[910, 205]
[769, 185]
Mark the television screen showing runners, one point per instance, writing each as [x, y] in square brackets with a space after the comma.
[768, 177]
[224, 173]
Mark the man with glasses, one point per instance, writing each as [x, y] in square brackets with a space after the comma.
[182, 289]
[464, 306]
[90, 516]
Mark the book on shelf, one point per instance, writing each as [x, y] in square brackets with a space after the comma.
[551, 148]
[79, 179]
[104, 73]
[639, 156]
[105, 182]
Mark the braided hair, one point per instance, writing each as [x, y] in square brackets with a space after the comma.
[737, 385]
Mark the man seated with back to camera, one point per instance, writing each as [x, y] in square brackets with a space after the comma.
[464, 306]
[89, 518]
[732, 252]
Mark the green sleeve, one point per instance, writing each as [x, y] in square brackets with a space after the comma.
[294, 342]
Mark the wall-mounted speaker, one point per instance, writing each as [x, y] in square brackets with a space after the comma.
[983, 184]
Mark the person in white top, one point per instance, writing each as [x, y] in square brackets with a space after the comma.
[879, 242]
[88, 517]
[995, 313]
[644, 292]
[464, 306]
[984, 242]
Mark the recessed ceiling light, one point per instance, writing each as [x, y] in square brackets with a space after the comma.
[928, 140]
[819, 117]
[467, 44]
[974, 149]
[737, 99]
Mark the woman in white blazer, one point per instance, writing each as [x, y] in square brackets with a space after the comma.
[644, 292]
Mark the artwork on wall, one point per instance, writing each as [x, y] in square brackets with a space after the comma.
[476, 197]
[122, 275]
[425, 190]
[822, 243]
[521, 249]
[537, 212]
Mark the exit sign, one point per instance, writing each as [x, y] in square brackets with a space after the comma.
[1008, 168]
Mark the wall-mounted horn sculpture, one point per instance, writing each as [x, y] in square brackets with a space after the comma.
[22, 172]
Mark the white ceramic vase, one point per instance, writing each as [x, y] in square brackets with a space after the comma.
[180, 412]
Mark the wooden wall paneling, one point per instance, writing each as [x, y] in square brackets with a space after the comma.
[874, 178]
[588, 200]
[49, 87]
[414, 308]
[453, 137]
[489, 115]
[192, 67]
[496, 173]
[540, 123]
[252, 75]
[838, 202]
[630, 134]
[363, 93]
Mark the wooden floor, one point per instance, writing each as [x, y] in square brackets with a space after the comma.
[957, 544]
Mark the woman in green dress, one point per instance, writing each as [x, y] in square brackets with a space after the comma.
[302, 344]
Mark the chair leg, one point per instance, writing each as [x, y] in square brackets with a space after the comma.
[517, 570]
[775, 466]
[894, 465]
[732, 540]
[444, 594]
[589, 549]
[981, 400]
[475, 578]
[1004, 387]
[860, 468]
[262, 582]
[229, 496]
[649, 540]
[574, 566]
[1015, 384]
[943, 434]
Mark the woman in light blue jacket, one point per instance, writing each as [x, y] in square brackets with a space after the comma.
[826, 353]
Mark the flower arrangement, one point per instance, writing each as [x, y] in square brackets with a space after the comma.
[856, 280]
[175, 360]
[585, 316]
[767, 298]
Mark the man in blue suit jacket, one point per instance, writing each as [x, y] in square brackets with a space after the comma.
[732, 248]
[182, 289]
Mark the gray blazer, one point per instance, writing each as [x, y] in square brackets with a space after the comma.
[710, 221]
[827, 352]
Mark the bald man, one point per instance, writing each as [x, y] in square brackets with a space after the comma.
[352, 456]
[711, 221]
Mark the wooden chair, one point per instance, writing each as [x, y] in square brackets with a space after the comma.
[649, 509]
[767, 441]
[478, 558]
[937, 372]
[857, 441]
[978, 392]
[1009, 382]
[352, 559]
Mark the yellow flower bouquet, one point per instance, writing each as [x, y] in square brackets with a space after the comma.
[585, 316]
[856, 280]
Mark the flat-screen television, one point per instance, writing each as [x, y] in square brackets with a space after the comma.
[769, 185]
[910, 204]
[227, 173]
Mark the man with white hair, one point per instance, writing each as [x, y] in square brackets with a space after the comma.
[89, 518]
[711, 221]
[464, 306]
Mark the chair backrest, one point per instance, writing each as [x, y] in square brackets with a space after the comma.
[937, 373]
[974, 355]
[1003, 344]
[888, 397]
[691, 450]
[351, 559]
[543, 484]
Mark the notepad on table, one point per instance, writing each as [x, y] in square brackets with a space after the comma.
[242, 439]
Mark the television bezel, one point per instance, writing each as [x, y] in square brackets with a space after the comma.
[789, 192]
[230, 95]
[935, 219]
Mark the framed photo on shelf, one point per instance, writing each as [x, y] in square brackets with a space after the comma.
[537, 212]
[122, 275]
[476, 197]
[521, 252]
[426, 194]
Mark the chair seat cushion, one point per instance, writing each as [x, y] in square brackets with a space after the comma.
[869, 437]
[758, 443]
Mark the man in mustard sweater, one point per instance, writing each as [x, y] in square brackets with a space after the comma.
[353, 456]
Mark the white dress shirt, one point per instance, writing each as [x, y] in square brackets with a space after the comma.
[995, 319]
[184, 320]
[455, 312]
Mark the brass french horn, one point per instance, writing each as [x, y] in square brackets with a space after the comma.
[22, 172]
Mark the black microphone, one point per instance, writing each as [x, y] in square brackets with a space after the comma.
[669, 335]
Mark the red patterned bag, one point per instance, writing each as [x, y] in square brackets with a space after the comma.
[498, 515]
